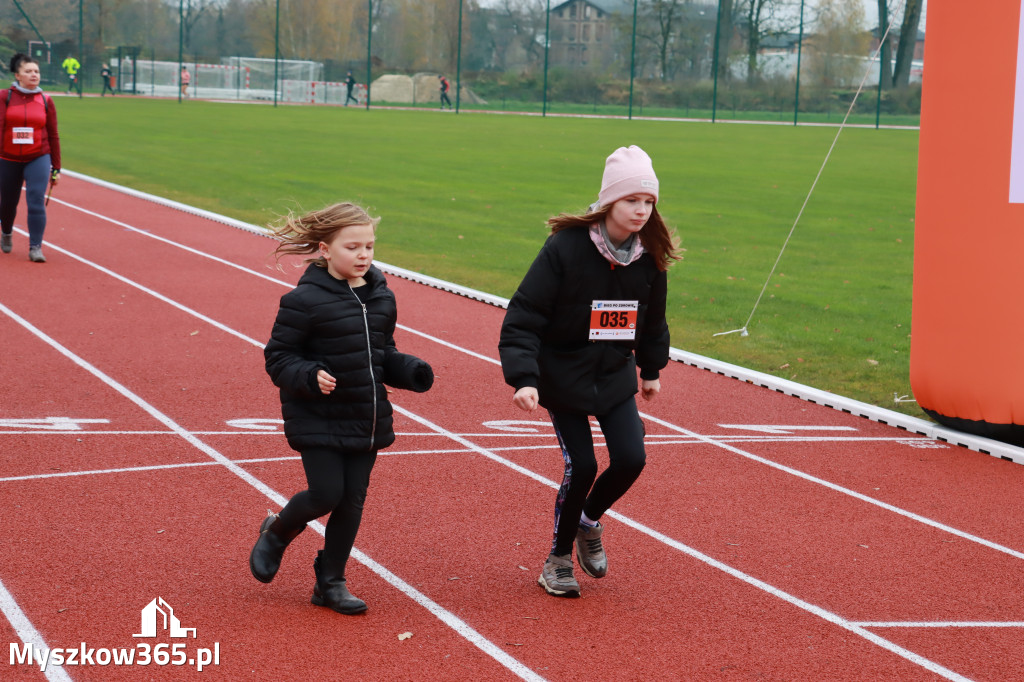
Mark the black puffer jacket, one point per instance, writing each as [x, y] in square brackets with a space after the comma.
[544, 338]
[322, 324]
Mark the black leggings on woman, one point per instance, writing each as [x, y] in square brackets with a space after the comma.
[337, 486]
[579, 493]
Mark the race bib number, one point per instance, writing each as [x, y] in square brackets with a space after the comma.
[22, 135]
[613, 320]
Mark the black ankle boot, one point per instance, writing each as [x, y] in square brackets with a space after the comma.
[265, 558]
[330, 589]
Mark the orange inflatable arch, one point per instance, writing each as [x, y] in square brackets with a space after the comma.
[967, 344]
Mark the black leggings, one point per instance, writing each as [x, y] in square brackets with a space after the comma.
[579, 493]
[337, 486]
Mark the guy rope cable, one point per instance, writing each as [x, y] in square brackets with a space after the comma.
[743, 330]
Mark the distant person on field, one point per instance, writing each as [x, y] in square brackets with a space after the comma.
[186, 78]
[590, 310]
[71, 67]
[29, 154]
[444, 92]
[350, 82]
[331, 352]
[106, 73]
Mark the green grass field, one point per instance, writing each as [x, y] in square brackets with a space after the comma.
[465, 198]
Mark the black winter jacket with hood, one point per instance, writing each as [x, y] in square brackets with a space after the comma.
[544, 338]
[322, 324]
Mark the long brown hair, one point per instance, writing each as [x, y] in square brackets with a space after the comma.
[657, 238]
[300, 235]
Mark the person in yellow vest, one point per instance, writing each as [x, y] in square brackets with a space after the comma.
[71, 67]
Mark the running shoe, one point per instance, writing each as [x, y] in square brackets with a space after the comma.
[590, 551]
[35, 254]
[5, 243]
[557, 576]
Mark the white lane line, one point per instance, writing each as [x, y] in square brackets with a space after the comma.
[390, 452]
[28, 634]
[941, 624]
[255, 460]
[447, 617]
[169, 242]
[223, 261]
[824, 614]
[651, 438]
[846, 491]
[160, 297]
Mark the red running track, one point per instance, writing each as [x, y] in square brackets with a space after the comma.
[768, 538]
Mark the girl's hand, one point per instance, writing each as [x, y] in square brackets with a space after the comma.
[526, 398]
[649, 388]
[326, 382]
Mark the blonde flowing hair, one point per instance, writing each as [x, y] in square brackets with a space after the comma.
[300, 235]
[657, 238]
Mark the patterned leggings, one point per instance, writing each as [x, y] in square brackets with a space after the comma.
[624, 434]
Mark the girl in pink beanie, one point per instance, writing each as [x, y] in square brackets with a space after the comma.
[590, 310]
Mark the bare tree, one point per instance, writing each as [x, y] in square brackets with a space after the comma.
[885, 51]
[839, 44]
[724, 39]
[762, 19]
[519, 30]
[908, 40]
[446, 16]
[658, 24]
[191, 12]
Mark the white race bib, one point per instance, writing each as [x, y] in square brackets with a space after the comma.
[613, 320]
[22, 135]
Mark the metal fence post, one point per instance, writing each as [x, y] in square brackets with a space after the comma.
[799, 56]
[714, 62]
[369, 58]
[632, 62]
[547, 46]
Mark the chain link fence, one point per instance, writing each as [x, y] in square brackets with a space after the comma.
[767, 60]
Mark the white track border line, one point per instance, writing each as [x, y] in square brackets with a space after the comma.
[795, 601]
[448, 618]
[791, 388]
[256, 460]
[28, 633]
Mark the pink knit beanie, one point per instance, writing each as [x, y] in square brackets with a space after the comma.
[627, 171]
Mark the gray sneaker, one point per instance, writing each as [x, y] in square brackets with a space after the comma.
[5, 243]
[557, 576]
[35, 254]
[590, 551]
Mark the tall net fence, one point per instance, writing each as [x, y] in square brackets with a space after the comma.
[776, 60]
